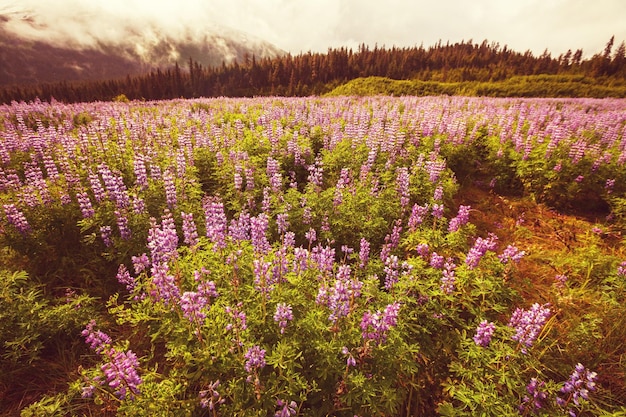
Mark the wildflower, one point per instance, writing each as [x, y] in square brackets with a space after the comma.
[190, 233]
[536, 398]
[511, 253]
[192, 304]
[210, 397]
[481, 246]
[97, 340]
[375, 326]
[484, 332]
[255, 359]
[283, 315]
[528, 323]
[461, 219]
[580, 383]
[121, 373]
[286, 409]
[16, 218]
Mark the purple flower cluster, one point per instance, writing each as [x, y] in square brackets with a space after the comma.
[580, 382]
[121, 373]
[124, 277]
[448, 279]
[120, 368]
[481, 246]
[255, 359]
[364, 252]
[417, 216]
[210, 397]
[376, 326]
[461, 219]
[529, 323]
[536, 398]
[258, 230]
[190, 232]
[215, 221]
[286, 409]
[402, 185]
[484, 332]
[84, 203]
[96, 339]
[340, 297]
[16, 218]
[283, 315]
[193, 305]
[621, 269]
[512, 254]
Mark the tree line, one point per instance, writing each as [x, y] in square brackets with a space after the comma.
[317, 73]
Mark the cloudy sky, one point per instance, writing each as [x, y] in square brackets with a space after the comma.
[315, 25]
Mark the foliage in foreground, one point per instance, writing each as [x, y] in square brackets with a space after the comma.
[312, 257]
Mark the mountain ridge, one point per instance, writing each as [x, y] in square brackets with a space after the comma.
[25, 60]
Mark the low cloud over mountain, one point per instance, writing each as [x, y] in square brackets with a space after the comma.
[34, 49]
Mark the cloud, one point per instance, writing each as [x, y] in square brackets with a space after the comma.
[303, 25]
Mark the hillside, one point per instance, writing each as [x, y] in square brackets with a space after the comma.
[25, 61]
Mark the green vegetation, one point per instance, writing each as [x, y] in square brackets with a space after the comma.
[518, 86]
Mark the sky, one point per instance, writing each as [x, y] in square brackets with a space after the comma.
[315, 25]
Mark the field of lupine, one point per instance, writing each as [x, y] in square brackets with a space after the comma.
[285, 257]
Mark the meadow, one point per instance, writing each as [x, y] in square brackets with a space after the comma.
[344, 256]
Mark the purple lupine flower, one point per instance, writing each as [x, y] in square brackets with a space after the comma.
[96, 187]
[437, 211]
[402, 186]
[434, 169]
[289, 240]
[255, 359]
[249, 179]
[560, 281]
[210, 397]
[311, 236]
[579, 178]
[461, 219]
[481, 246]
[282, 223]
[140, 263]
[511, 253]
[422, 250]
[580, 383]
[391, 271]
[141, 174]
[215, 221]
[350, 360]
[190, 232]
[536, 398]
[123, 277]
[16, 218]
[484, 332]
[437, 261]
[529, 323]
[163, 241]
[96, 339]
[608, 186]
[138, 204]
[364, 252]
[237, 178]
[258, 230]
[283, 315]
[164, 283]
[122, 224]
[84, 203]
[193, 304]
[438, 193]
[105, 234]
[286, 409]
[238, 316]
[121, 373]
[239, 229]
[266, 203]
[621, 269]
[448, 279]
[375, 326]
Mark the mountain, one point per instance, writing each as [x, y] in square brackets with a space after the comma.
[35, 59]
